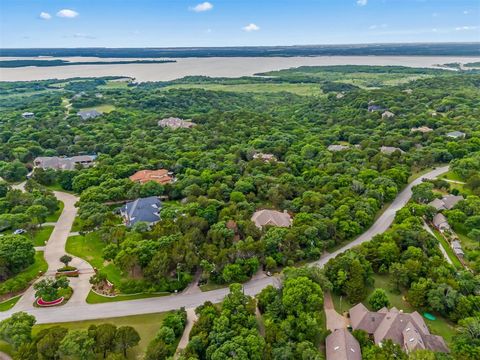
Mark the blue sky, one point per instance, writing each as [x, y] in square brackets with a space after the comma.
[169, 23]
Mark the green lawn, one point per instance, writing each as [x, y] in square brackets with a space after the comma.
[440, 326]
[94, 298]
[146, 325]
[450, 175]
[54, 217]
[42, 235]
[458, 265]
[90, 247]
[299, 89]
[104, 108]
[77, 225]
[8, 304]
[211, 286]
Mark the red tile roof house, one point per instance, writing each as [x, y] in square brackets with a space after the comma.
[406, 330]
[160, 176]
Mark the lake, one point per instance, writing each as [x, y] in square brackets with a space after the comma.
[214, 66]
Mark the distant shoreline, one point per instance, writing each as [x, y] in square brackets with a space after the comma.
[411, 49]
[42, 62]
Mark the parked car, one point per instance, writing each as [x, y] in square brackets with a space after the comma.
[19, 231]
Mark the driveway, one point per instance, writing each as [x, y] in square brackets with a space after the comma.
[79, 310]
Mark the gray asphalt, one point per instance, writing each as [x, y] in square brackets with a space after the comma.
[81, 311]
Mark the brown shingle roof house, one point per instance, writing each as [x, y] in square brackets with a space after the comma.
[160, 176]
[341, 345]
[446, 203]
[407, 330]
[271, 217]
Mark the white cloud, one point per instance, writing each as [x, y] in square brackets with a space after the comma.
[45, 16]
[466, 28]
[362, 2]
[434, 14]
[251, 27]
[381, 26]
[67, 13]
[205, 6]
[83, 36]
[465, 12]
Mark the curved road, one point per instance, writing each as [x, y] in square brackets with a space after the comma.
[79, 310]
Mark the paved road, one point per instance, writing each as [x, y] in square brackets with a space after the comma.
[386, 219]
[83, 311]
[54, 249]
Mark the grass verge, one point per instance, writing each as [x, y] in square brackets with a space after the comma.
[8, 304]
[94, 298]
[54, 217]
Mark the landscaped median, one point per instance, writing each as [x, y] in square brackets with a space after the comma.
[52, 292]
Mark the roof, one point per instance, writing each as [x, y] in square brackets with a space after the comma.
[451, 200]
[271, 217]
[142, 209]
[28, 114]
[175, 123]
[341, 345]
[89, 114]
[387, 114]
[265, 157]
[375, 108]
[408, 330]
[160, 176]
[63, 163]
[439, 220]
[446, 203]
[337, 147]
[456, 134]
[390, 150]
[422, 129]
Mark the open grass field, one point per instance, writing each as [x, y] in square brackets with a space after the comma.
[298, 89]
[146, 325]
[41, 236]
[114, 85]
[105, 108]
[90, 247]
[440, 326]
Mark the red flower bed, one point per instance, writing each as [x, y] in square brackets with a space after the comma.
[43, 303]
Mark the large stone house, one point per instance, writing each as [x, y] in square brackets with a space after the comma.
[160, 176]
[263, 218]
[405, 329]
[141, 210]
[64, 163]
[341, 345]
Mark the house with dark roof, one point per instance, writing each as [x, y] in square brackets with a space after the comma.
[372, 108]
[457, 248]
[341, 345]
[440, 222]
[408, 330]
[89, 114]
[141, 210]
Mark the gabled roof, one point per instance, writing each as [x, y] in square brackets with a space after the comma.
[456, 134]
[142, 209]
[175, 123]
[446, 203]
[63, 163]
[439, 219]
[271, 217]
[335, 147]
[390, 150]
[341, 345]
[160, 176]
[402, 328]
[89, 114]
